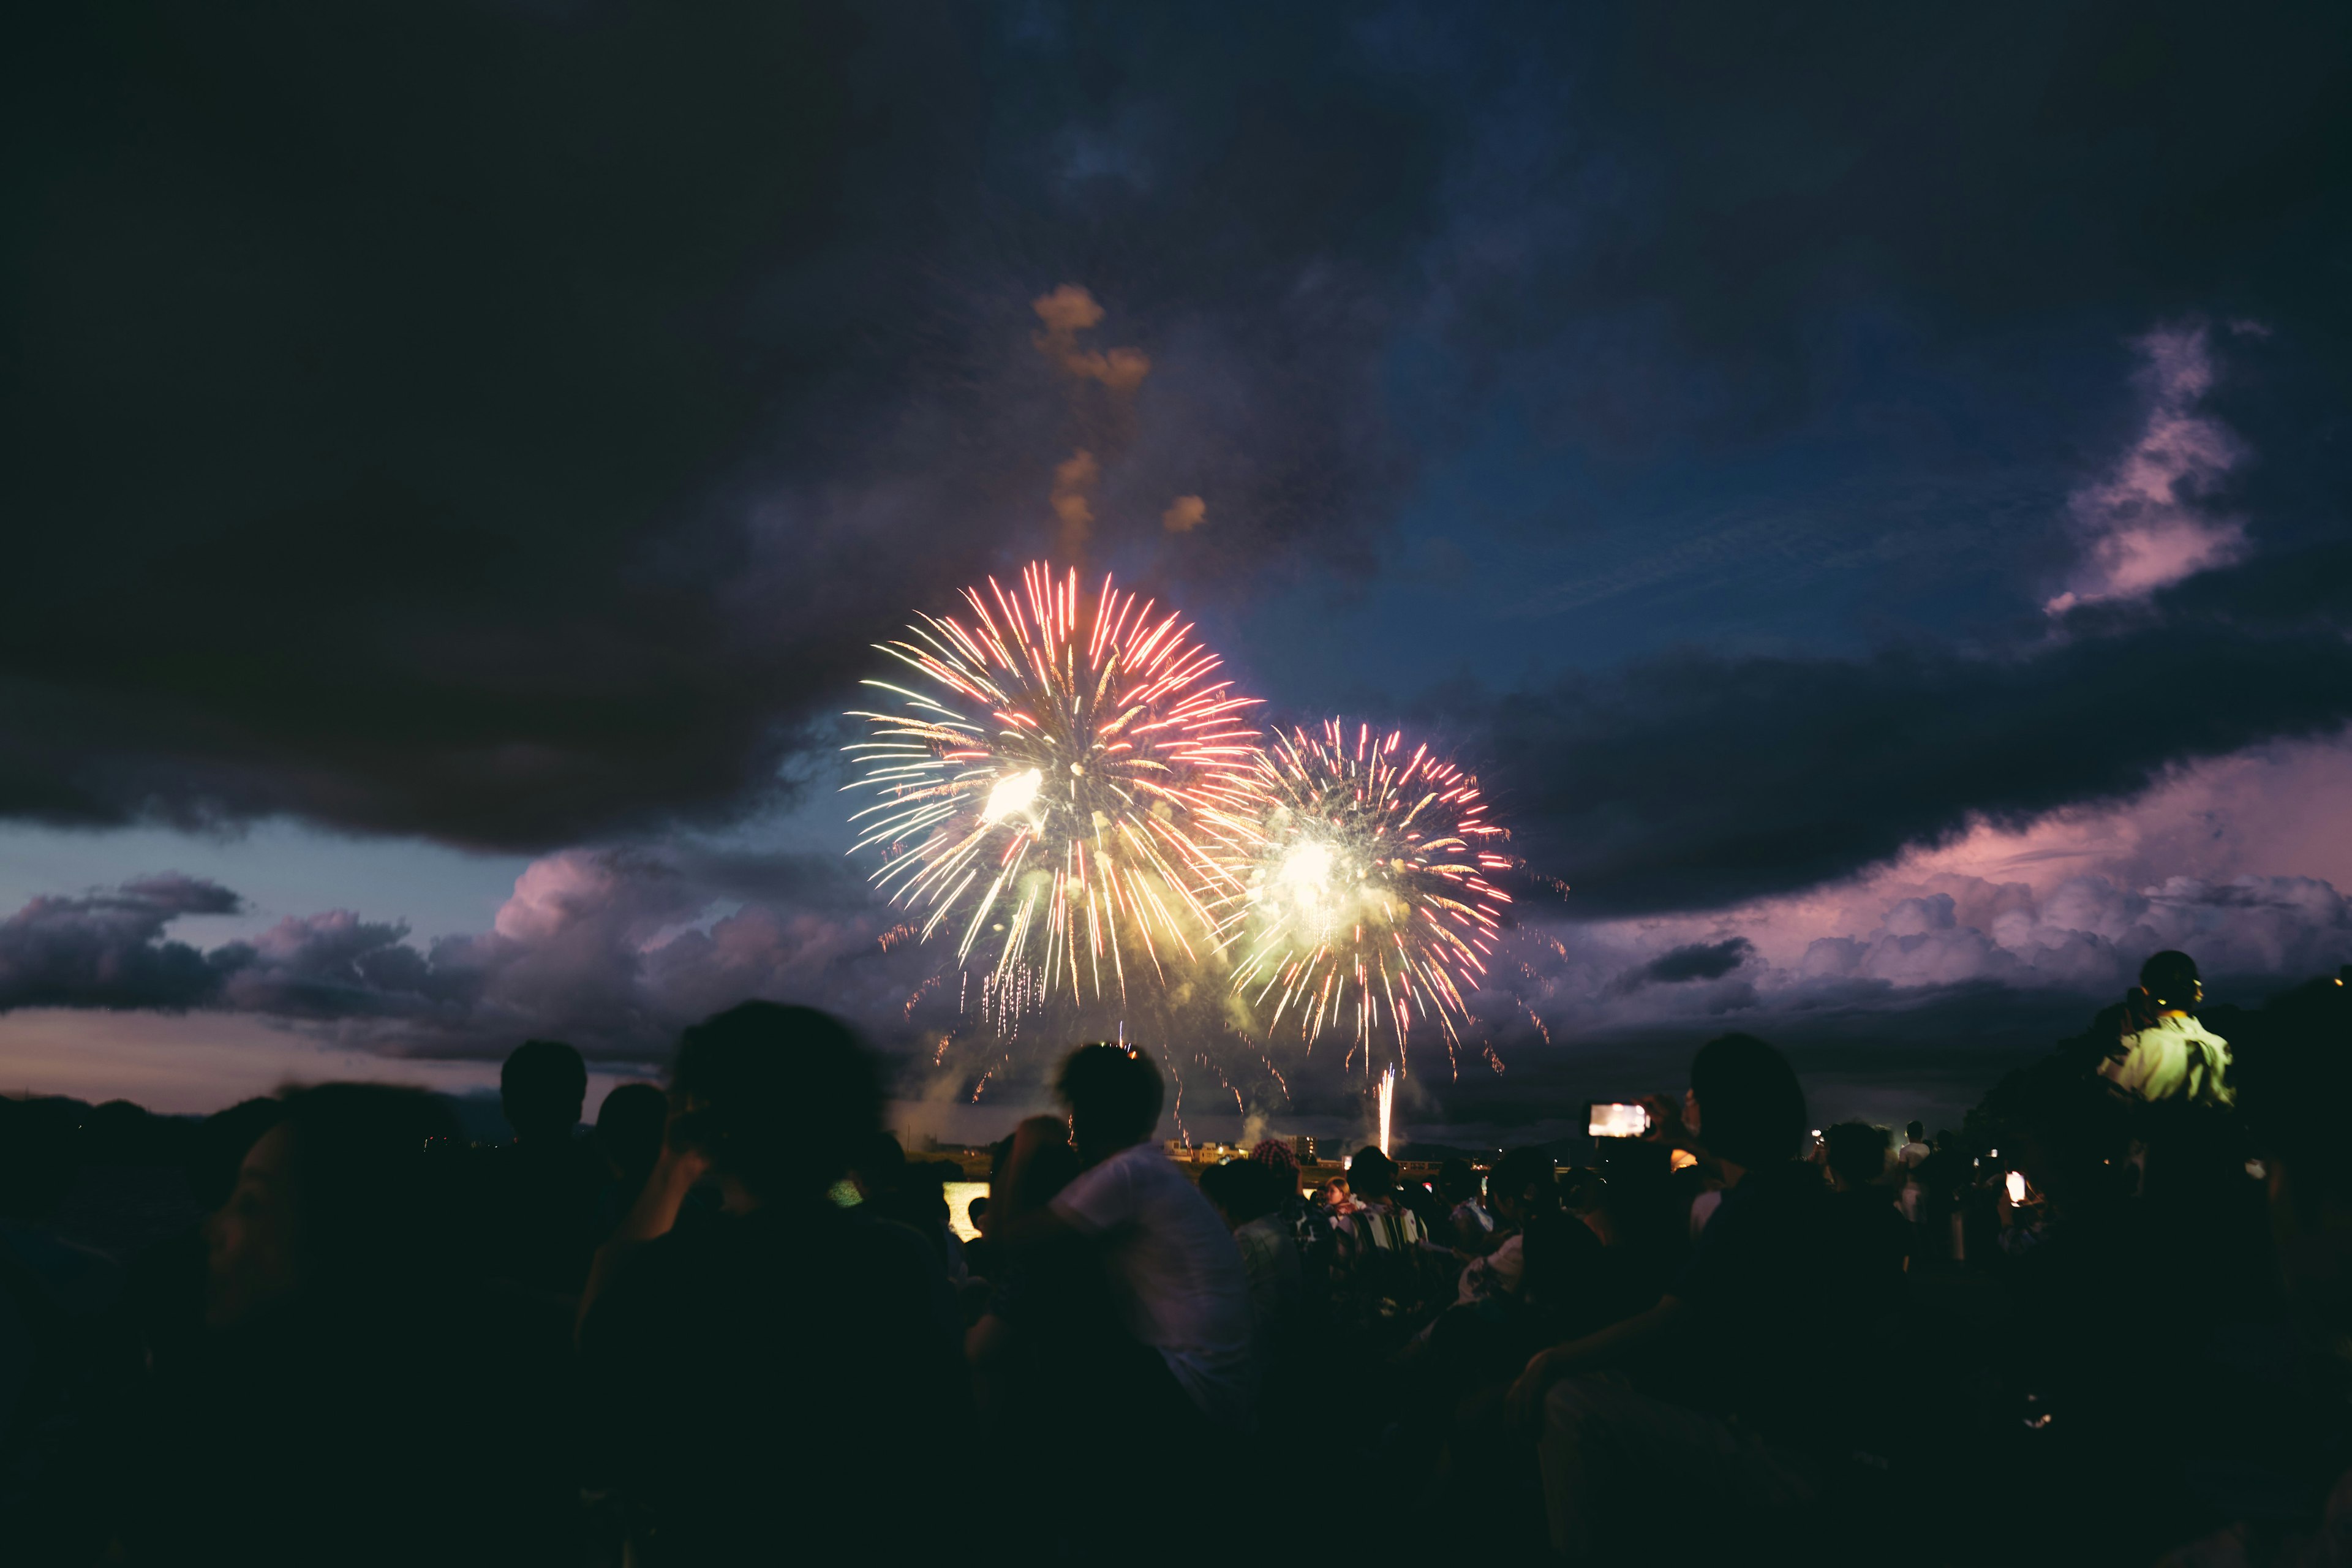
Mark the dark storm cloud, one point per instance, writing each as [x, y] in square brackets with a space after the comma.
[1757, 202]
[1697, 781]
[505, 422]
[612, 950]
[111, 949]
[1693, 961]
[106, 949]
[503, 425]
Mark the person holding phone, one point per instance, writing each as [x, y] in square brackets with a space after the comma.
[1745, 1328]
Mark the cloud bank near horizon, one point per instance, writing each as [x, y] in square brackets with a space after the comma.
[618, 949]
[524, 458]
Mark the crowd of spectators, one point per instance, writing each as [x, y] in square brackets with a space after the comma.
[2103, 1322]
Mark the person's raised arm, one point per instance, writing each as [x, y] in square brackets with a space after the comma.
[656, 1210]
[1598, 1349]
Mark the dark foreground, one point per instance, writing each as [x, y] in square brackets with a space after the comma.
[326, 1329]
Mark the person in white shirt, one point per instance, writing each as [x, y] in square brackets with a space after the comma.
[2164, 1053]
[1915, 1145]
[1182, 1289]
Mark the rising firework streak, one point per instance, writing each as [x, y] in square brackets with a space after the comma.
[1055, 783]
[1388, 1104]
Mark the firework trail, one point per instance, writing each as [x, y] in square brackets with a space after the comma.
[1056, 785]
[1361, 899]
[1388, 1104]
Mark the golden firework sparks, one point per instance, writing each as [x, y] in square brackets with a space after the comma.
[1054, 782]
[1361, 901]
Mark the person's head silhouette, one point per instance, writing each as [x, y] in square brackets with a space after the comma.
[347, 1197]
[1751, 1111]
[542, 1090]
[2172, 981]
[1857, 1154]
[1523, 1183]
[1371, 1176]
[629, 1131]
[1113, 1094]
[781, 1099]
[1456, 1182]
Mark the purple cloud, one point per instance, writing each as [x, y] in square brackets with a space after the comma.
[106, 949]
[2145, 524]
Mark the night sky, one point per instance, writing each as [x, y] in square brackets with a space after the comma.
[1863, 487]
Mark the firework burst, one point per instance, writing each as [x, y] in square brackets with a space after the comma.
[1362, 901]
[1055, 784]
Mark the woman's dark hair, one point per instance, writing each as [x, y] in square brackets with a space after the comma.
[2168, 980]
[1245, 1189]
[540, 1087]
[1371, 1175]
[789, 1096]
[1456, 1181]
[1751, 1109]
[374, 1182]
[1857, 1152]
[1525, 1178]
[1113, 1090]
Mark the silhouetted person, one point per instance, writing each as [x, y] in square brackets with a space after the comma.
[1183, 1289]
[1873, 1237]
[629, 1136]
[754, 1377]
[544, 1194]
[1248, 1196]
[1051, 1324]
[542, 1087]
[893, 1187]
[1520, 1188]
[979, 1253]
[355, 1399]
[2162, 1052]
[2298, 1078]
[1470, 1220]
[164, 1294]
[1745, 1322]
[1378, 1254]
[1183, 1365]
